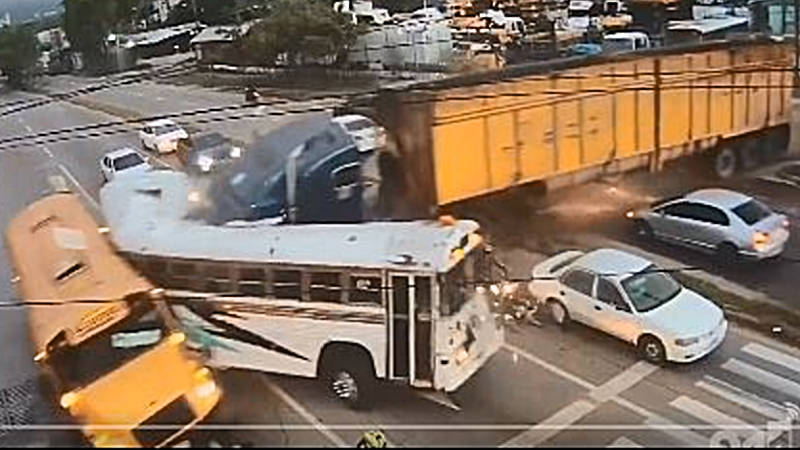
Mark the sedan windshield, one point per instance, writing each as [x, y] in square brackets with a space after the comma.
[752, 211]
[128, 161]
[650, 289]
[164, 129]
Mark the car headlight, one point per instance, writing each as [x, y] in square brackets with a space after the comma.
[461, 356]
[236, 152]
[685, 342]
[206, 387]
[205, 163]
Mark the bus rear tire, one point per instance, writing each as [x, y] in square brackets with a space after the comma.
[348, 374]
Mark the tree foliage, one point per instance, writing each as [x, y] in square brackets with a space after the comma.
[210, 12]
[301, 30]
[88, 22]
[18, 55]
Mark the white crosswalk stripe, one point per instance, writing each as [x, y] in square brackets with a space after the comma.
[623, 442]
[684, 435]
[742, 398]
[772, 355]
[762, 377]
[711, 416]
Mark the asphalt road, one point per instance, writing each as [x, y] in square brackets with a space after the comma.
[546, 387]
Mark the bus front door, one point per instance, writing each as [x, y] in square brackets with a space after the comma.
[410, 330]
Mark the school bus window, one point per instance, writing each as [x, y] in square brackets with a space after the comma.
[218, 278]
[365, 290]
[326, 287]
[79, 366]
[251, 281]
[69, 270]
[286, 284]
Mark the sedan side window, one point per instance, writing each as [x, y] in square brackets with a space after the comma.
[609, 294]
[580, 281]
[711, 215]
[682, 210]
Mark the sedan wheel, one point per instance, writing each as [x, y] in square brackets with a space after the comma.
[652, 350]
[558, 313]
[643, 229]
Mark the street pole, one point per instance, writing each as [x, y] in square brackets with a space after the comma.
[796, 43]
[194, 10]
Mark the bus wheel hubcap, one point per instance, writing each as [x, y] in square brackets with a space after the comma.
[344, 386]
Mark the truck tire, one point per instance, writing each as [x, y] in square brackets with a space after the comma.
[777, 143]
[725, 161]
[348, 373]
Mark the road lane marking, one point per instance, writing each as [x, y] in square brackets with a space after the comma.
[681, 434]
[622, 382]
[303, 412]
[623, 442]
[707, 414]
[773, 356]
[551, 426]
[762, 377]
[742, 398]
[83, 191]
[552, 368]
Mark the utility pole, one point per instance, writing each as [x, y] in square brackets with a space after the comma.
[796, 43]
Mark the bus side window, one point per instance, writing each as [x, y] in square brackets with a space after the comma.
[326, 287]
[365, 289]
[286, 284]
[182, 274]
[218, 278]
[252, 281]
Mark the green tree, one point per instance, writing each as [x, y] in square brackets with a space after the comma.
[19, 53]
[87, 23]
[299, 29]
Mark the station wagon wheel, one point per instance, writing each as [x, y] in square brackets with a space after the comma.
[558, 312]
[727, 253]
[652, 350]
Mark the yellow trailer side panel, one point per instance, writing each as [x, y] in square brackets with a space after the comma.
[493, 135]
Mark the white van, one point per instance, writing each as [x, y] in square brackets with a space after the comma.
[625, 41]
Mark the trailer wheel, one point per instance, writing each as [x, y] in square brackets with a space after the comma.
[726, 162]
[778, 142]
[750, 155]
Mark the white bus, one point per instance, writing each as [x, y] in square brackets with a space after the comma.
[350, 304]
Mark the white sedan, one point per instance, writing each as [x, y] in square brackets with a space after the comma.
[162, 136]
[123, 161]
[632, 299]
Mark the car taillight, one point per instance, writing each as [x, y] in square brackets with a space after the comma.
[785, 223]
[760, 239]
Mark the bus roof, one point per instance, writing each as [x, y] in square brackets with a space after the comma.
[147, 217]
[60, 256]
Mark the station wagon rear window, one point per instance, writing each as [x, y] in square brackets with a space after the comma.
[752, 212]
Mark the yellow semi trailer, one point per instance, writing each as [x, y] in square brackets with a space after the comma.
[565, 122]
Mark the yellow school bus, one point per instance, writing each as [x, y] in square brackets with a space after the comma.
[107, 343]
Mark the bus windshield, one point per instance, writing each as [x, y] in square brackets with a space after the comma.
[458, 285]
[78, 366]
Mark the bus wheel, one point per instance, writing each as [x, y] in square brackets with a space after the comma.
[350, 377]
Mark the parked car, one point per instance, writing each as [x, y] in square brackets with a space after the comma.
[632, 299]
[727, 223]
[625, 41]
[162, 136]
[367, 134]
[206, 152]
[125, 161]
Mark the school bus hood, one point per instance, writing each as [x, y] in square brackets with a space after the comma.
[137, 390]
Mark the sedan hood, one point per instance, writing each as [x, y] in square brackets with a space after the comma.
[688, 314]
